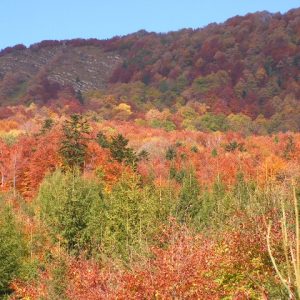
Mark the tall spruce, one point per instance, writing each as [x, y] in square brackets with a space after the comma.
[73, 146]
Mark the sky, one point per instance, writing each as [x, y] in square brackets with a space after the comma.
[30, 21]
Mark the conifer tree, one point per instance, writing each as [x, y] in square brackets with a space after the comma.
[189, 202]
[73, 146]
[12, 250]
[67, 202]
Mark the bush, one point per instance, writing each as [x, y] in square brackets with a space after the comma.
[12, 250]
[66, 202]
[132, 217]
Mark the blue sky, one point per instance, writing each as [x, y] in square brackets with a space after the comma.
[30, 21]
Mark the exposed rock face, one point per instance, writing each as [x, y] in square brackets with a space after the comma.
[84, 68]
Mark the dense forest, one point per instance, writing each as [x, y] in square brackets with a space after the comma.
[153, 166]
[246, 69]
[113, 210]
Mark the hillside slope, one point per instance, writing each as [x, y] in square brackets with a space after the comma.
[248, 64]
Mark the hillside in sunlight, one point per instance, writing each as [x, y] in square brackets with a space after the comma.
[248, 64]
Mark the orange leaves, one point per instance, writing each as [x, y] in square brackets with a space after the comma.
[271, 168]
[43, 158]
[181, 270]
[88, 280]
[99, 160]
[262, 158]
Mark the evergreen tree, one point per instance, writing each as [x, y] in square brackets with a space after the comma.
[73, 146]
[171, 153]
[67, 202]
[12, 250]
[47, 125]
[189, 203]
[120, 151]
[102, 140]
[131, 219]
[118, 146]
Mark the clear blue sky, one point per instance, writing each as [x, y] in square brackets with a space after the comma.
[30, 21]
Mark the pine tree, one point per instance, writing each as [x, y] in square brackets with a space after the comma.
[118, 146]
[120, 151]
[73, 146]
[132, 216]
[171, 153]
[12, 250]
[67, 202]
[47, 125]
[79, 96]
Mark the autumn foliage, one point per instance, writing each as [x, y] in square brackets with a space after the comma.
[162, 179]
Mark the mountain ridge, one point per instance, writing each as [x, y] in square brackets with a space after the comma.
[239, 65]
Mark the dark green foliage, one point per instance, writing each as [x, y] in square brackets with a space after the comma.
[194, 149]
[12, 249]
[214, 152]
[118, 146]
[178, 175]
[230, 147]
[73, 146]
[79, 97]
[102, 140]
[120, 152]
[47, 125]
[234, 145]
[143, 155]
[171, 153]
[268, 65]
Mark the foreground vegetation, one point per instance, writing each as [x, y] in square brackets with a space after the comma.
[103, 210]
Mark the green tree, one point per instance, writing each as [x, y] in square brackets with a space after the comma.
[102, 140]
[171, 153]
[132, 217]
[47, 125]
[73, 146]
[67, 202]
[121, 152]
[79, 97]
[212, 122]
[12, 249]
[189, 202]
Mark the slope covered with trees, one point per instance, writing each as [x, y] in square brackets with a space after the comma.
[247, 65]
[113, 210]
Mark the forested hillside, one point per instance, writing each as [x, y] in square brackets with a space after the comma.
[248, 65]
